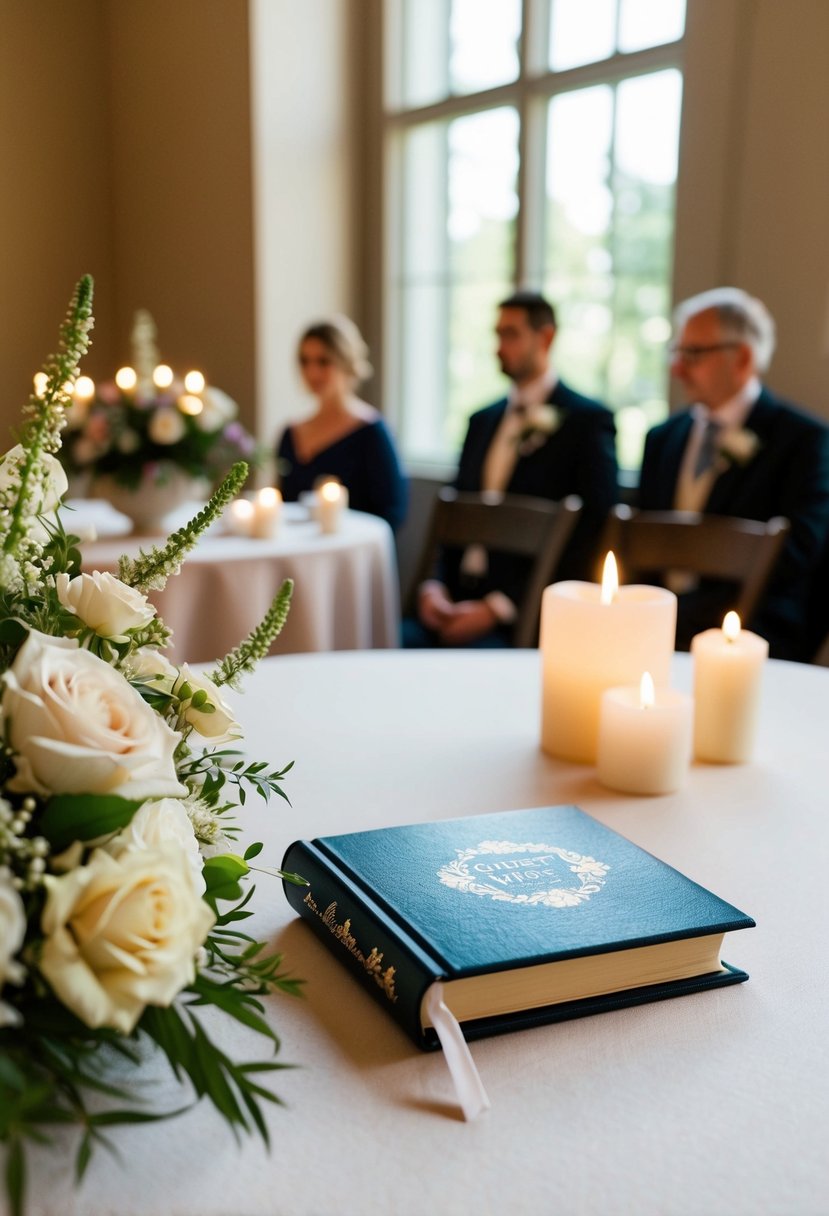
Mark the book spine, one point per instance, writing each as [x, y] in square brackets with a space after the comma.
[372, 946]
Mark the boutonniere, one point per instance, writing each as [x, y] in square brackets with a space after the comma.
[541, 422]
[739, 447]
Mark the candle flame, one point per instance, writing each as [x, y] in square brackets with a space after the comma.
[731, 626]
[610, 579]
[242, 509]
[126, 378]
[268, 496]
[84, 388]
[330, 491]
[647, 694]
[188, 404]
[162, 376]
[194, 382]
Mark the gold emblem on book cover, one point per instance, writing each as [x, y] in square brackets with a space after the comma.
[530, 874]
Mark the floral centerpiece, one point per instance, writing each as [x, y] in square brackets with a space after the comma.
[120, 883]
[149, 425]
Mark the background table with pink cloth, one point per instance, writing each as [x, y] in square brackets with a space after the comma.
[345, 585]
[710, 1105]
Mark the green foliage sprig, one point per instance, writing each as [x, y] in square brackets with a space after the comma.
[150, 571]
[55, 1061]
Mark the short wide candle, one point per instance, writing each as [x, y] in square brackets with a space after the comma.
[728, 668]
[588, 646]
[644, 739]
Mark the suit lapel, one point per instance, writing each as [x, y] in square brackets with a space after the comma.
[721, 500]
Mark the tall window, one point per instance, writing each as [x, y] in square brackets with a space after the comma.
[529, 143]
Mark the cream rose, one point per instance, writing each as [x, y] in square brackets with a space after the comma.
[76, 726]
[156, 824]
[217, 410]
[122, 933]
[166, 426]
[46, 502]
[151, 667]
[104, 603]
[54, 488]
[219, 725]
[12, 932]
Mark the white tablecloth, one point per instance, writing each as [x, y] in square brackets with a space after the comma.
[345, 584]
[705, 1105]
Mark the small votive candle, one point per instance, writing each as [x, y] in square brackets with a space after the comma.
[240, 515]
[329, 505]
[266, 511]
[645, 737]
[728, 669]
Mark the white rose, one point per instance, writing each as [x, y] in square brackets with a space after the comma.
[166, 426]
[54, 487]
[122, 933]
[12, 933]
[76, 726]
[159, 823]
[104, 603]
[217, 410]
[151, 667]
[217, 723]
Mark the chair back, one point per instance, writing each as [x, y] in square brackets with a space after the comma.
[507, 523]
[742, 551]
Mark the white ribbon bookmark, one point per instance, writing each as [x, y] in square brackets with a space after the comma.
[468, 1085]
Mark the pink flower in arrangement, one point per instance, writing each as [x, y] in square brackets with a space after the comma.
[109, 392]
[97, 429]
[236, 434]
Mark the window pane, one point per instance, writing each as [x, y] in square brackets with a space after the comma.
[484, 38]
[421, 51]
[579, 212]
[581, 31]
[644, 23]
[457, 261]
[609, 243]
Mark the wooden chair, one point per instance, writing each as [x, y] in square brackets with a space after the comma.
[742, 551]
[509, 523]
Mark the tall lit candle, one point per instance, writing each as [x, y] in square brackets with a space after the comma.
[645, 738]
[329, 505]
[592, 638]
[728, 669]
[240, 516]
[266, 510]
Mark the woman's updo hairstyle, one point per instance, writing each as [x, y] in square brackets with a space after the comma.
[346, 343]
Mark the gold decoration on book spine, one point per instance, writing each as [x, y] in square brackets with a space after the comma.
[372, 963]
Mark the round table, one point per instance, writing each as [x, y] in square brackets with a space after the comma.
[345, 584]
[708, 1105]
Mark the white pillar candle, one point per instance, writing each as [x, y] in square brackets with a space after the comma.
[645, 737]
[267, 507]
[593, 638]
[240, 516]
[728, 669]
[329, 505]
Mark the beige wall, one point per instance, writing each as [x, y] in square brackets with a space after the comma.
[753, 205]
[55, 220]
[125, 145]
[304, 186]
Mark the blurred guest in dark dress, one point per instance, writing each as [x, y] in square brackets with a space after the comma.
[345, 437]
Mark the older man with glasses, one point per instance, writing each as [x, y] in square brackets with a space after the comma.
[740, 450]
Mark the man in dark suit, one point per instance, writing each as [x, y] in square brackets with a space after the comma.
[740, 450]
[544, 439]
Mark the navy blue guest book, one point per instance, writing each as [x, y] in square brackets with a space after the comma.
[525, 916]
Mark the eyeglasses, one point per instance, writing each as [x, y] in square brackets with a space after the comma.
[693, 354]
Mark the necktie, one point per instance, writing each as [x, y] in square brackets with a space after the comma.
[708, 448]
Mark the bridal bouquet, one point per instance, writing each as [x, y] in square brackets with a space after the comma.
[120, 884]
